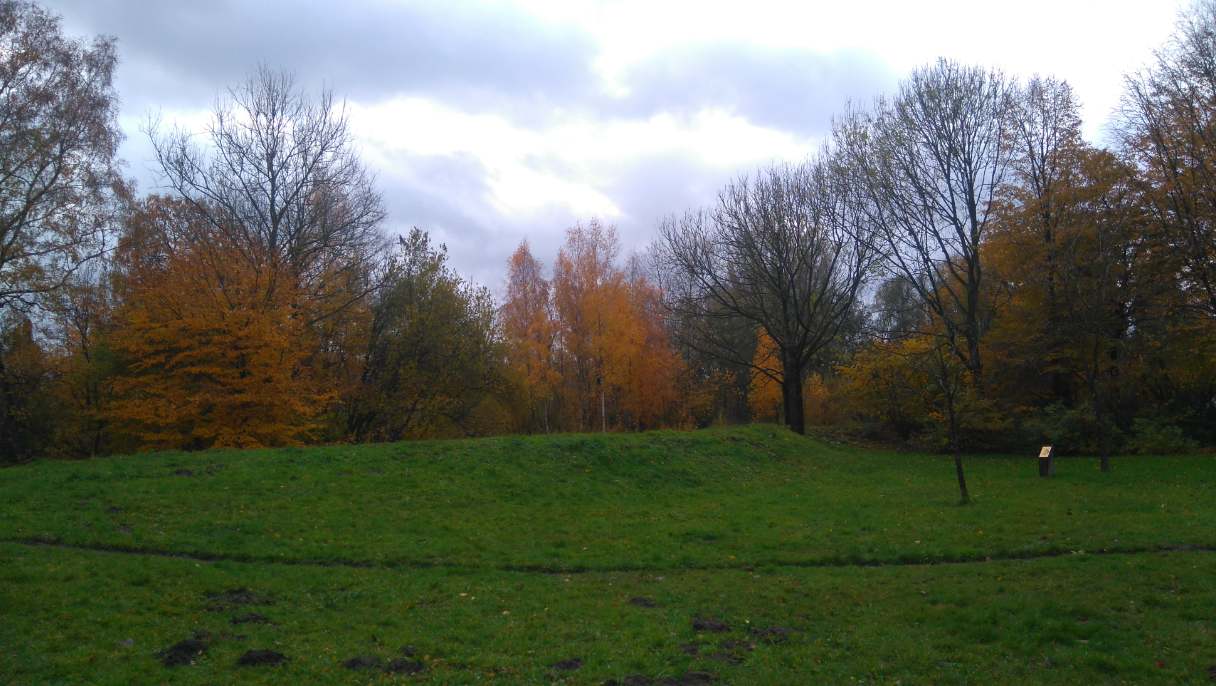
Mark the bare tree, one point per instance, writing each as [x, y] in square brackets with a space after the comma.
[783, 251]
[279, 178]
[928, 165]
[58, 137]
[1169, 130]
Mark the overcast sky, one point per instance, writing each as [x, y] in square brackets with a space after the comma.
[487, 123]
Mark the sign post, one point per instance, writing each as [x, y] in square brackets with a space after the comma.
[1047, 462]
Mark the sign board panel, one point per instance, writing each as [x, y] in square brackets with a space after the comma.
[1045, 452]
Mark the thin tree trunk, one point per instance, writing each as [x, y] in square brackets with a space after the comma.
[1103, 438]
[955, 444]
[1095, 373]
[963, 498]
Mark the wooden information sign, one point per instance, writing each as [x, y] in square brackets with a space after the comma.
[1047, 465]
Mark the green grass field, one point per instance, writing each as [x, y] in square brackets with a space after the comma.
[746, 555]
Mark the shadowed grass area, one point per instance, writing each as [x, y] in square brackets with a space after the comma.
[472, 549]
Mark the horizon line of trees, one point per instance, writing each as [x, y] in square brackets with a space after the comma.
[955, 269]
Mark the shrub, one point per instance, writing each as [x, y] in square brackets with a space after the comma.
[1072, 430]
[1158, 436]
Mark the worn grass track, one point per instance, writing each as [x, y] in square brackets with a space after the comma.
[498, 559]
[406, 564]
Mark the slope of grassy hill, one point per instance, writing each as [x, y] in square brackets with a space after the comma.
[744, 555]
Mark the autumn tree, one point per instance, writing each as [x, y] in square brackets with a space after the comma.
[613, 357]
[1090, 278]
[587, 290]
[58, 137]
[279, 186]
[208, 359]
[1102, 261]
[716, 388]
[641, 364]
[784, 250]
[530, 332]
[764, 393]
[884, 386]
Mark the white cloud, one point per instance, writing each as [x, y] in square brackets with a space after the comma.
[569, 163]
[510, 118]
[1091, 43]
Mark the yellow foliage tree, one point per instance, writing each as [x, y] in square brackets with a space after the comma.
[764, 395]
[612, 354]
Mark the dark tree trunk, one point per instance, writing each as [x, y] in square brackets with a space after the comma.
[791, 396]
[956, 446]
[963, 497]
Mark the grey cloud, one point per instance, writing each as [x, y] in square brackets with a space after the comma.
[472, 55]
[788, 89]
[450, 197]
[652, 188]
[180, 51]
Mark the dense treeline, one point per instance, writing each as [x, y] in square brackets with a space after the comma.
[956, 269]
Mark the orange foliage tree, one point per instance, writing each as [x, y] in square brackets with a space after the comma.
[212, 355]
[641, 364]
[529, 327]
[592, 340]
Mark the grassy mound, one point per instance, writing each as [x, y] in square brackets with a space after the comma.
[745, 555]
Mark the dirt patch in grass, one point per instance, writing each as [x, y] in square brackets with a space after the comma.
[733, 652]
[223, 601]
[690, 679]
[642, 601]
[403, 665]
[771, 634]
[686, 679]
[568, 665]
[709, 624]
[183, 652]
[258, 658]
[360, 662]
[250, 618]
